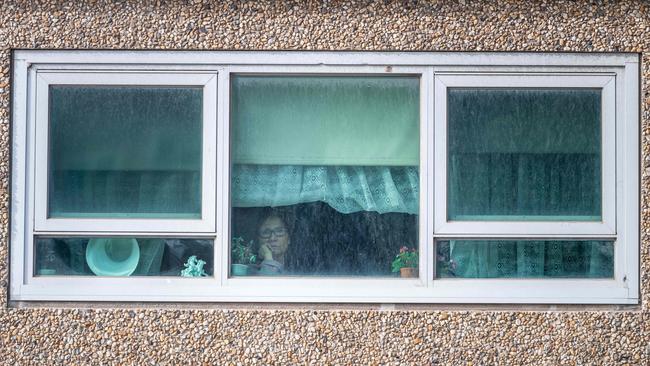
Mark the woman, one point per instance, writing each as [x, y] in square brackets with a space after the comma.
[274, 240]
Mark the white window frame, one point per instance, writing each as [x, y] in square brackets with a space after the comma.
[279, 285]
[620, 222]
[81, 77]
[605, 82]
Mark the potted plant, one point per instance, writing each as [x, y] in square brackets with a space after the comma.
[242, 256]
[445, 266]
[406, 262]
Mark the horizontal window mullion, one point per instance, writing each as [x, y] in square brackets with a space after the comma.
[163, 234]
[586, 291]
[525, 237]
[531, 229]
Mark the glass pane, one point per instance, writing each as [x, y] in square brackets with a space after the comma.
[327, 120]
[324, 180]
[525, 259]
[123, 257]
[125, 152]
[524, 154]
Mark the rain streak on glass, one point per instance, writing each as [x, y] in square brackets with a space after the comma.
[132, 152]
[324, 175]
[524, 154]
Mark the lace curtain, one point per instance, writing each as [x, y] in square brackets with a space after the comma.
[347, 189]
[530, 259]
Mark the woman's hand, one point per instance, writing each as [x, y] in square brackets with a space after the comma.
[265, 252]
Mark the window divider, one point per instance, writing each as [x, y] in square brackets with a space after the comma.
[427, 169]
[222, 243]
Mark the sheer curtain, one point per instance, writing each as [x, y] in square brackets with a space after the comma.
[347, 189]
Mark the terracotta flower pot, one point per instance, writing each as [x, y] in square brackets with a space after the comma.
[408, 272]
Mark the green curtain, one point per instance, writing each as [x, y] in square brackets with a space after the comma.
[524, 187]
[325, 120]
[125, 151]
[526, 259]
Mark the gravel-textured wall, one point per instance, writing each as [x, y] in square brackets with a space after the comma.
[345, 335]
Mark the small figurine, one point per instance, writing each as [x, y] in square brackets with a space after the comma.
[194, 268]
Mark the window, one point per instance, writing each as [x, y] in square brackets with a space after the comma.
[124, 151]
[325, 177]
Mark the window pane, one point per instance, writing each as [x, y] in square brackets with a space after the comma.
[525, 259]
[125, 152]
[524, 154]
[325, 120]
[324, 179]
[123, 257]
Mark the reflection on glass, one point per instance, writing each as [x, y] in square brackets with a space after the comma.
[123, 257]
[524, 154]
[324, 177]
[525, 259]
[125, 152]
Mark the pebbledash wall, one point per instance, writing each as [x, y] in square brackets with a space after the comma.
[55, 333]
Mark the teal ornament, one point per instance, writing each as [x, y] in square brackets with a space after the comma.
[194, 268]
[112, 256]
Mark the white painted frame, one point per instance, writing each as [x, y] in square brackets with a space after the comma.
[603, 82]
[425, 244]
[208, 84]
[622, 289]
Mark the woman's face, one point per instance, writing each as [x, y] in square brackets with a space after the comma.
[274, 234]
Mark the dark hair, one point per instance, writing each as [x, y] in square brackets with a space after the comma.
[269, 214]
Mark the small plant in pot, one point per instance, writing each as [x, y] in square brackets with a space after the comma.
[406, 263]
[242, 256]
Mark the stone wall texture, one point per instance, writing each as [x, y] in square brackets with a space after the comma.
[275, 334]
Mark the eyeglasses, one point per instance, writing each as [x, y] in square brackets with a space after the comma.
[267, 233]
